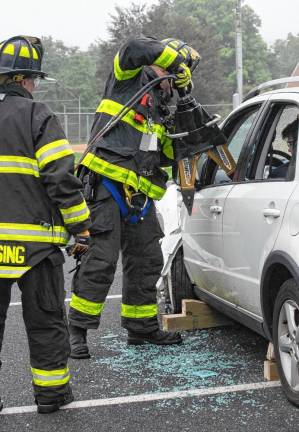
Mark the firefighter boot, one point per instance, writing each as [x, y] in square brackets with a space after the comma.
[157, 337]
[45, 406]
[79, 348]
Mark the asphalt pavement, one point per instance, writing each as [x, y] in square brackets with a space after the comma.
[212, 382]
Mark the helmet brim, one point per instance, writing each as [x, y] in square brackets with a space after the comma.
[26, 72]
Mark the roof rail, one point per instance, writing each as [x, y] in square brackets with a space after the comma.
[257, 90]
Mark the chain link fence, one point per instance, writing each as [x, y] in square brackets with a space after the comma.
[77, 124]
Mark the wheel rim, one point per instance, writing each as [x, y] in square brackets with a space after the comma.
[288, 340]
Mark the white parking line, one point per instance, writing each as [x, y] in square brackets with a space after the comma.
[111, 297]
[149, 397]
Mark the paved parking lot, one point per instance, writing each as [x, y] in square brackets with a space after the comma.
[214, 381]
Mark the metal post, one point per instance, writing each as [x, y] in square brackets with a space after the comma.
[65, 121]
[87, 127]
[239, 61]
[79, 119]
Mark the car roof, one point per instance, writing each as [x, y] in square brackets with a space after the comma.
[287, 82]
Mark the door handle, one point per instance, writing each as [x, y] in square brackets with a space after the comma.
[271, 212]
[216, 209]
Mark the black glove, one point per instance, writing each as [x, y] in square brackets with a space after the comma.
[79, 248]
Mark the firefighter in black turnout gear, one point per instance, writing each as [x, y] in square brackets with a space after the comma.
[42, 203]
[122, 176]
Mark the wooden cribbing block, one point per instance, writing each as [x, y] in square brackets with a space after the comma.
[270, 352]
[270, 370]
[174, 322]
[195, 315]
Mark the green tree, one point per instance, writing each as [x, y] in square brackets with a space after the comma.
[284, 56]
[74, 71]
[209, 26]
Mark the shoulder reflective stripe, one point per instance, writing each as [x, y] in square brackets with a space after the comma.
[52, 151]
[12, 272]
[18, 165]
[77, 213]
[123, 74]
[167, 57]
[149, 189]
[33, 233]
[86, 306]
[110, 107]
[51, 378]
[111, 171]
[145, 311]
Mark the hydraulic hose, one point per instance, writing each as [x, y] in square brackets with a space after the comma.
[117, 117]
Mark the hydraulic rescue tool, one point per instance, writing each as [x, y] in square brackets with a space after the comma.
[194, 131]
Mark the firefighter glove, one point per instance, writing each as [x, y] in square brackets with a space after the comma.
[80, 246]
[183, 76]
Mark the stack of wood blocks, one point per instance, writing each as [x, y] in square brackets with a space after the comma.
[195, 315]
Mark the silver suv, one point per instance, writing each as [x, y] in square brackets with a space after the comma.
[239, 250]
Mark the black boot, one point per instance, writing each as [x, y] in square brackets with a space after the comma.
[79, 348]
[157, 337]
[49, 406]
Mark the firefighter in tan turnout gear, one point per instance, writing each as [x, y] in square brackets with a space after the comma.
[122, 176]
[41, 205]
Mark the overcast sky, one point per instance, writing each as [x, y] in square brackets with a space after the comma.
[79, 22]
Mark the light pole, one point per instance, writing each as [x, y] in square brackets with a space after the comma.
[238, 46]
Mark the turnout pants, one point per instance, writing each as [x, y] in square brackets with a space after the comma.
[142, 262]
[44, 316]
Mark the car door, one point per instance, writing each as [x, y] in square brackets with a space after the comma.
[254, 208]
[202, 231]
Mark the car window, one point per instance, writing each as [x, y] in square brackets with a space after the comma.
[275, 158]
[236, 130]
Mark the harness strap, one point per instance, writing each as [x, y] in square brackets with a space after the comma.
[132, 214]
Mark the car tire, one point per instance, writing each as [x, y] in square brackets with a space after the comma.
[286, 338]
[181, 286]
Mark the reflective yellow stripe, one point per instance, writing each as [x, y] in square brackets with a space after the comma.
[53, 151]
[110, 107]
[167, 147]
[123, 175]
[18, 165]
[75, 214]
[167, 57]
[86, 306]
[144, 311]
[149, 189]
[7, 272]
[44, 378]
[33, 233]
[123, 74]
[111, 171]
[24, 51]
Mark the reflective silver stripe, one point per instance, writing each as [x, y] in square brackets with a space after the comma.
[49, 233]
[18, 165]
[50, 378]
[13, 271]
[75, 214]
[33, 233]
[53, 151]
